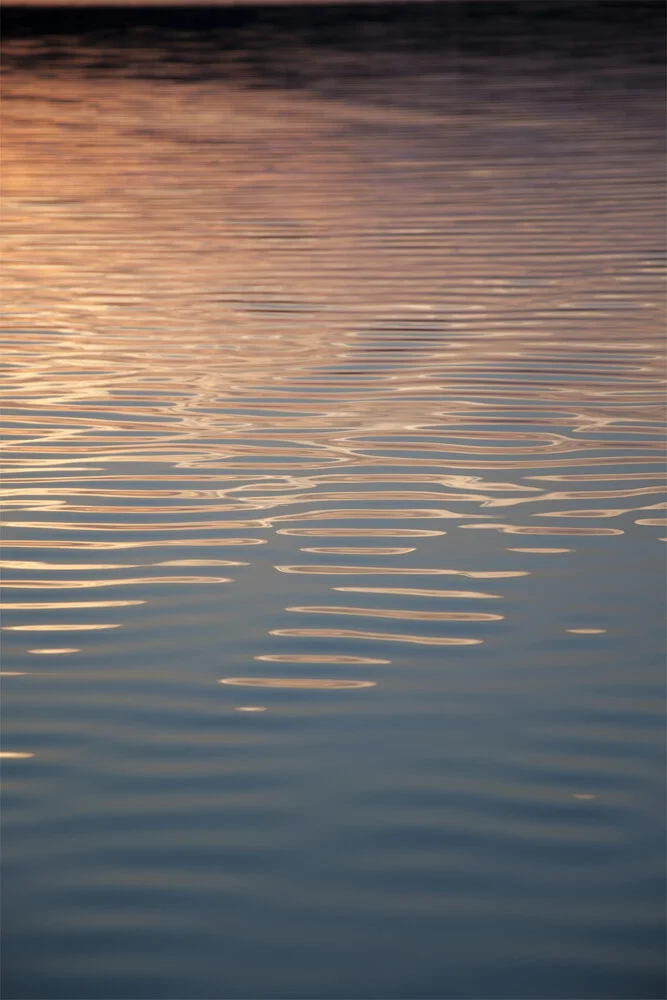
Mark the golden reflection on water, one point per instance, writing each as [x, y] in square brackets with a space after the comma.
[47, 627]
[130, 581]
[295, 682]
[358, 532]
[41, 605]
[26, 564]
[539, 551]
[76, 544]
[357, 550]
[335, 310]
[515, 529]
[53, 652]
[341, 660]
[199, 562]
[343, 633]
[398, 571]
[442, 616]
[418, 592]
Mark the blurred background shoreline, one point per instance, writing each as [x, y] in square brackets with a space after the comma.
[497, 20]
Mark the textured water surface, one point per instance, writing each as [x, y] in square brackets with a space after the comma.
[334, 509]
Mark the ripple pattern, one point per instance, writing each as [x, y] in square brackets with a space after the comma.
[303, 315]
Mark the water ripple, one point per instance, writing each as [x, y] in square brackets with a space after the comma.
[275, 286]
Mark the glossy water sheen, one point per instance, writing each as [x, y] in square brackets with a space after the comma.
[333, 375]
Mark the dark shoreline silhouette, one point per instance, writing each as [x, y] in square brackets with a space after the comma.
[484, 24]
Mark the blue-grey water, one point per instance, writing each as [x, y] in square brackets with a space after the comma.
[334, 518]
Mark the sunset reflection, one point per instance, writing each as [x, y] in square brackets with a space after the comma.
[343, 302]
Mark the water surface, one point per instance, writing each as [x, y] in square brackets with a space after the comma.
[333, 373]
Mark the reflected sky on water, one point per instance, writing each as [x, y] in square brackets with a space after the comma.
[309, 317]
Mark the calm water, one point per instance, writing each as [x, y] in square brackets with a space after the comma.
[333, 373]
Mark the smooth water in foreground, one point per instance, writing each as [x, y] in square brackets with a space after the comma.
[333, 374]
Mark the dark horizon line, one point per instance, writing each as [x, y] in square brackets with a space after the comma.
[528, 6]
[598, 23]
